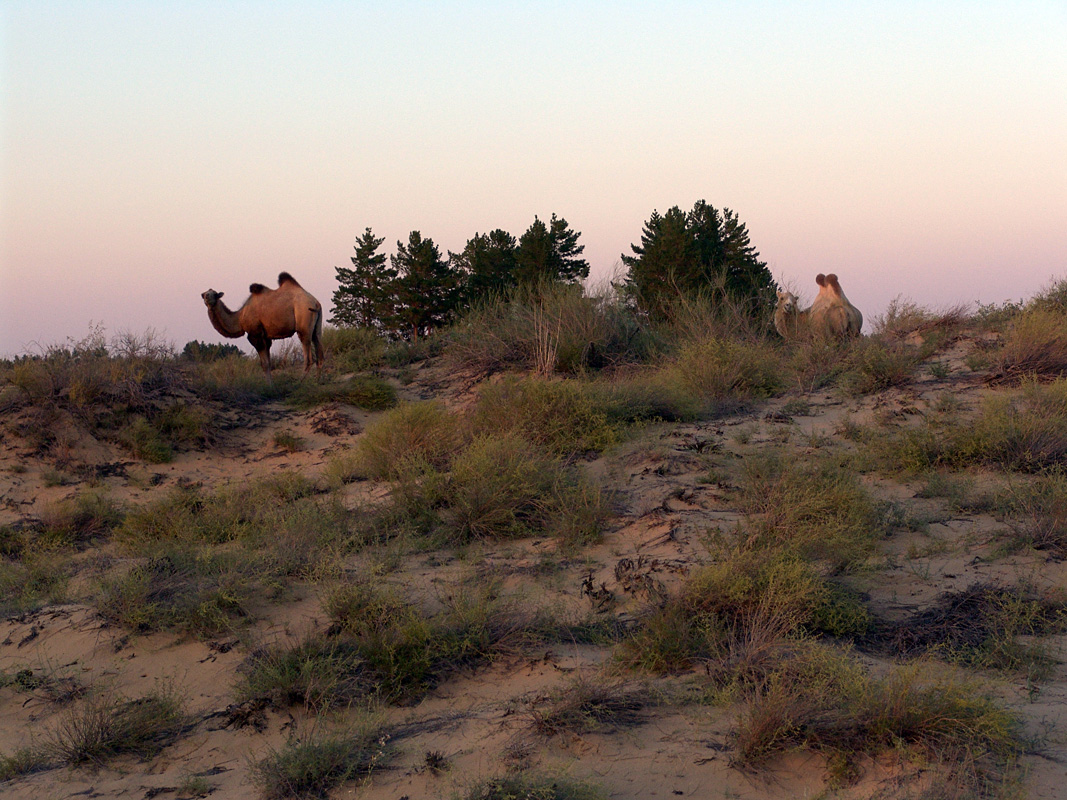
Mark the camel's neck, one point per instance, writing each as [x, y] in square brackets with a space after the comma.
[224, 320]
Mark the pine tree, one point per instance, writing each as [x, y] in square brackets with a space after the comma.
[699, 252]
[364, 294]
[550, 253]
[486, 265]
[427, 289]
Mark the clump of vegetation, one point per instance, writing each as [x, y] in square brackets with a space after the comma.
[813, 508]
[982, 626]
[354, 349]
[739, 614]
[385, 647]
[1025, 431]
[368, 392]
[101, 727]
[426, 432]
[90, 515]
[561, 416]
[310, 766]
[549, 329]
[1037, 512]
[590, 704]
[723, 372]
[529, 786]
[204, 594]
[823, 701]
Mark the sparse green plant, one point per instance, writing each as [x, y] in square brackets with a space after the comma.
[812, 507]
[562, 416]
[822, 701]
[590, 705]
[424, 431]
[110, 724]
[368, 392]
[528, 786]
[875, 364]
[1035, 345]
[310, 766]
[288, 441]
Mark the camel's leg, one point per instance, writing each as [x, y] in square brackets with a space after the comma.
[306, 342]
[262, 345]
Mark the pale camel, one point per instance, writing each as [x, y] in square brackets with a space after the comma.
[789, 320]
[271, 314]
[831, 316]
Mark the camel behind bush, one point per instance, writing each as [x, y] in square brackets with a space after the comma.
[271, 314]
[831, 316]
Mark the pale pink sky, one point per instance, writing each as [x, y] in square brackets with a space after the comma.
[151, 151]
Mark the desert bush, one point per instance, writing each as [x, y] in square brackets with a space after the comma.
[1037, 511]
[823, 701]
[813, 508]
[197, 592]
[76, 522]
[1025, 431]
[354, 349]
[101, 727]
[317, 672]
[875, 363]
[590, 704]
[527, 786]
[986, 626]
[38, 578]
[402, 651]
[547, 329]
[311, 765]
[718, 371]
[496, 488]
[903, 319]
[368, 392]
[739, 614]
[562, 416]
[424, 431]
[255, 512]
[1034, 345]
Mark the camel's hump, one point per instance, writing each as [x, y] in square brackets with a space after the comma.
[285, 277]
[256, 288]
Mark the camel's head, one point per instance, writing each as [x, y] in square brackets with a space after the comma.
[787, 303]
[211, 297]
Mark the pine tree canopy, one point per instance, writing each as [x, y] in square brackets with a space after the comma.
[699, 252]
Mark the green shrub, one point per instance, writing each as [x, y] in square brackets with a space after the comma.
[549, 328]
[823, 702]
[722, 369]
[813, 508]
[562, 416]
[354, 349]
[202, 593]
[368, 392]
[424, 431]
[110, 725]
[526, 786]
[497, 488]
[312, 765]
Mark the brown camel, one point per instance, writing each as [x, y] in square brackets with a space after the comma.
[271, 314]
[831, 316]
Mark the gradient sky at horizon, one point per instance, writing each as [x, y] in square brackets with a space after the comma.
[150, 151]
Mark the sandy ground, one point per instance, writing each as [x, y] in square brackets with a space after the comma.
[481, 723]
